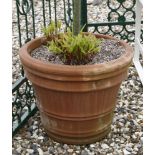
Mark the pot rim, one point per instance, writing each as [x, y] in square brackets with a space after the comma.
[92, 69]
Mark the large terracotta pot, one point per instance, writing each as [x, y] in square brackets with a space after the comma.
[76, 103]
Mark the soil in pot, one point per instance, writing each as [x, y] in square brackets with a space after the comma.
[110, 50]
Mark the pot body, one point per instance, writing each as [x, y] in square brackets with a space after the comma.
[76, 103]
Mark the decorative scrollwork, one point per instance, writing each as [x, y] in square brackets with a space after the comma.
[24, 6]
[124, 31]
[121, 20]
[128, 6]
[113, 16]
[102, 29]
[122, 8]
[23, 102]
[117, 29]
[113, 5]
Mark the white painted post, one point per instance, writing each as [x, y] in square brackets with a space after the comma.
[138, 46]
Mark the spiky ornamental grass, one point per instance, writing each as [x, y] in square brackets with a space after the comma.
[73, 49]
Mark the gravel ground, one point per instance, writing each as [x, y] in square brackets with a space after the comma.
[110, 50]
[126, 136]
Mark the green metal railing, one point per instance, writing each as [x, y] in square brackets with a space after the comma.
[117, 23]
[24, 102]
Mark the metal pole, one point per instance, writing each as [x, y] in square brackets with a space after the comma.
[84, 15]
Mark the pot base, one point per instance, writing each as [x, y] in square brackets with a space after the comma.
[78, 140]
[77, 130]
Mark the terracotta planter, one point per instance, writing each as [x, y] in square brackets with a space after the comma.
[76, 103]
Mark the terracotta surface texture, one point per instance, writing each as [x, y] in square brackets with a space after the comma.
[76, 103]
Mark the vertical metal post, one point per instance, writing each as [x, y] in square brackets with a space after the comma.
[18, 22]
[43, 3]
[55, 11]
[49, 2]
[26, 26]
[33, 16]
[84, 15]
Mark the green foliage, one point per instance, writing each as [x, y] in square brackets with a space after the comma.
[52, 29]
[74, 50]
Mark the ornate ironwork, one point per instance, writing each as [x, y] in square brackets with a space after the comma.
[23, 105]
[24, 6]
[118, 22]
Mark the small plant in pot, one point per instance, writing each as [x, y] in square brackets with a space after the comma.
[77, 81]
[71, 49]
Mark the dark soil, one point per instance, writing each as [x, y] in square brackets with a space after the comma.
[110, 50]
